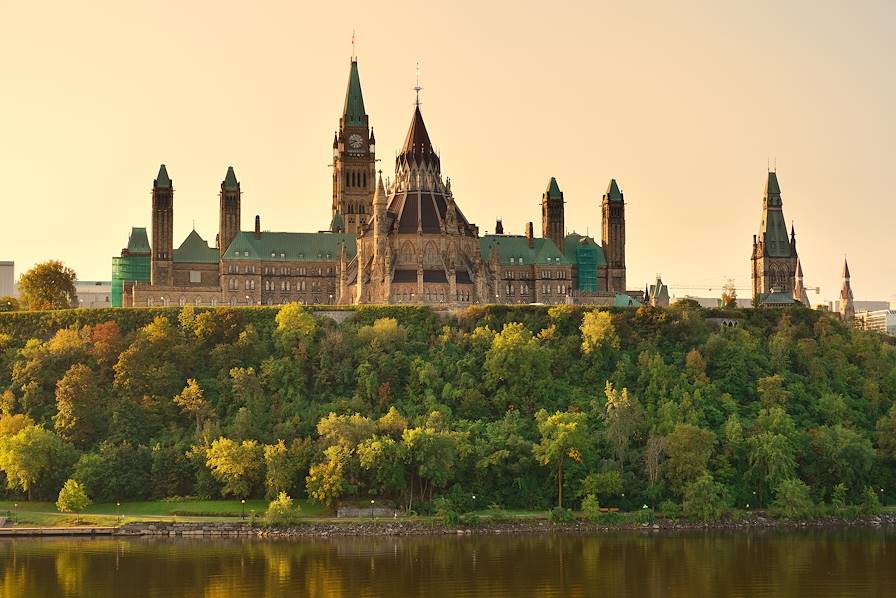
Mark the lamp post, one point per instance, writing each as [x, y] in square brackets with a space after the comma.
[243, 506]
[15, 511]
[371, 508]
[118, 509]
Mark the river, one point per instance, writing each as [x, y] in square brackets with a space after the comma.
[758, 564]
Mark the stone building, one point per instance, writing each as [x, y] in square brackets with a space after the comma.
[400, 240]
[775, 262]
[847, 308]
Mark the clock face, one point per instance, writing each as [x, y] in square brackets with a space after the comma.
[355, 141]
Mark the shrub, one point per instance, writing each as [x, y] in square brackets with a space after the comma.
[645, 515]
[445, 511]
[670, 509]
[72, 498]
[838, 499]
[560, 515]
[870, 502]
[792, 500]
[591, 508]
[470, 519]
[704, 499]
[281, 511]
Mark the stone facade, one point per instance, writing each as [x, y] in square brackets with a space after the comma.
[776, 271]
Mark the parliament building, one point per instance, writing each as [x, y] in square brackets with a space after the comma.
[402, 239]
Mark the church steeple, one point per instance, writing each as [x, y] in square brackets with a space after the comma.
[847, 308]
[353, 158]
[774, 257]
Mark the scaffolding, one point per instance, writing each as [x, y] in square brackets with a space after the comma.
[127, 269]
[586, 267]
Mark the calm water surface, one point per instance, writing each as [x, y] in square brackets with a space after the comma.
[816, 564]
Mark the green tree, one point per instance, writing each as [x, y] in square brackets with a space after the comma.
[283, 465]
[79, 414]
[191, 400]
[48, 285]
[294, 324]
[237, 465]
[771, 459]
[688, 449]
[564, 435]
[603, 484]
[72, 498]
[704, 499]
[886, 434]
[29, 455]
[598, 331]
[793, 500]
[623, 419]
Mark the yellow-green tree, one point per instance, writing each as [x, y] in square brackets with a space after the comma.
[49, 285]
[237, 465]
[72, 498]
[564, 435]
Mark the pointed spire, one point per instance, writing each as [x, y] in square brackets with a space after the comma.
[162, 181]
[230, 181]
[553, 190]
[845, 270]
[771, 184]
[417, 146]
[379, 196]
[613, 192]
[353, 112]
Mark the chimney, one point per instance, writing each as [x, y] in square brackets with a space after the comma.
[257, 226]
[499, 227]
[530, 234]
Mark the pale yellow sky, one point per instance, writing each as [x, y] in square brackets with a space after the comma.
[682, 102]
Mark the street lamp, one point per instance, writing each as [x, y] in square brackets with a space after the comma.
[371, 508]
[243, 505]
[118, 510]
[15, 511]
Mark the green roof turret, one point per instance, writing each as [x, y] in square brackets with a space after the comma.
[230, 181]
[162, 181]
[553, 190]
[613, 192]
[353, 113]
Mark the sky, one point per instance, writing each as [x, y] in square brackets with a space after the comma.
[685, 104]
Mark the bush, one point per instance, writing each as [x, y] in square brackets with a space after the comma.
[792, 500]
[560, 515]
[670, 509]
[470, 519]
[838, 499]
[445, 511]
[591, 508]
[645, 515]
[704, 499]
[281, 511]
[72, 498]
[870, 502]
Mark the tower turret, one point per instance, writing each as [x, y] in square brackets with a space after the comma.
[774, 258]
[613, 237]
[847, 307]
[162, 228]
[552, 226]
[229, 211]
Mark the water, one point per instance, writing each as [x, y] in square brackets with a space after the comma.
[816, 564]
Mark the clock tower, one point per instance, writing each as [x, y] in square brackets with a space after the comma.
[354, 160]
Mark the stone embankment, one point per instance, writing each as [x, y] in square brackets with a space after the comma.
[420, 528]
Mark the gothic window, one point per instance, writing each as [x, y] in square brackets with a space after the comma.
[182, 301]
[197, 301]
[149, 302]
[214, 302]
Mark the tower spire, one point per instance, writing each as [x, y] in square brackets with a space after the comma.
[417, 87]
[847, 307]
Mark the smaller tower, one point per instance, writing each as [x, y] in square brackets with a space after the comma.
[799, 289]
[162, 228]
[552, 226]
[847, 308]
[613, 237]
[229, 211]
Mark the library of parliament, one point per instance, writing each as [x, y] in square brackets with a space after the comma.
[404, 239]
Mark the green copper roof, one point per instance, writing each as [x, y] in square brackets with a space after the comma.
[338, 223]
[162, 181]
[309, 247]
[623, 300]
[195, 250]
[353, 113]
[574, 241]
[771, 185]
[230, 181]
[138, 242]
[515, 247]
[613, 192]
[553, 190]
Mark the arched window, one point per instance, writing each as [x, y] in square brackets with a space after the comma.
[149, 302]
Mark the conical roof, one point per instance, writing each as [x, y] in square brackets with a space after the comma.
[553, 190]
[799, 269]
[230, 181]
[379, 196]
[845, 269]
[162, 181]
[771, 185]
[613, 192]
[353, 112]
[417, 144]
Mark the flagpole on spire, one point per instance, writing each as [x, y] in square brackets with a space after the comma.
[354, 56]
[417, 87]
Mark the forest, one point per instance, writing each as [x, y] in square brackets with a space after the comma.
[509, 407]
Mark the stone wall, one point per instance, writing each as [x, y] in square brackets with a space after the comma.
[160, 528]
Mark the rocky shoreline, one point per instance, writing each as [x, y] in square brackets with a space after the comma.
[421, 528]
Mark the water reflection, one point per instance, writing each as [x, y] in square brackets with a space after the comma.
[772, 564]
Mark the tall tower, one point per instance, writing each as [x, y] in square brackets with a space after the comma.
[354, 179]
[613, 237]
[847, 308]
[162, 229]
[229, 221]
[774, 255]
[552, 226]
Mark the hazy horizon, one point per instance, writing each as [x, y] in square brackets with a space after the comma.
[684, 105]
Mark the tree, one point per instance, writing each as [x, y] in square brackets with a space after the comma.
[729, 294]
[623, 418]
[603, 484]
[688, 449]
[653, 458]
[8, 303]
[704, 499]
[283, 464]
[598, 331]
[49, 285]
[772, 460]
[238, 466]
[79, 415]
[72, 498]
[28, 455]
[886, 434]
[294, 323]
[282, 511]
[793, 500]
[192, 402]
[564, 435]
[325, 481]
[116, 471]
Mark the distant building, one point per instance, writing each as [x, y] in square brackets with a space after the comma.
[776, 263]
[93, 293]
[658, 293]
[847, 306]
[7, 279]
[710, 302]
[859, 306]
[883, 321]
